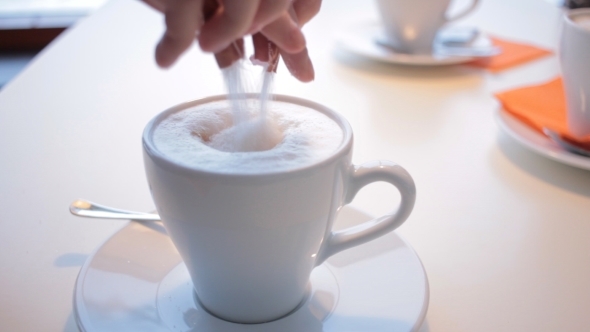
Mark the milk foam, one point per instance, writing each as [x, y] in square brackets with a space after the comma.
[204, 137]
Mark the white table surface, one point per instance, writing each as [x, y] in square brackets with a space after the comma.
[503, 233]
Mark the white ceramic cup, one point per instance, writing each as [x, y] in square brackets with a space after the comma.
[575, 66]
[411, 25]
[250, 242]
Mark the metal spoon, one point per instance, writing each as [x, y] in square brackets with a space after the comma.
[457, 37]
[555, 137]
[470, 51]
[455, 43]
[463, 42]
[88, 209]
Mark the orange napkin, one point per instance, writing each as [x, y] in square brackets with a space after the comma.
[541, 106]
[513, 54]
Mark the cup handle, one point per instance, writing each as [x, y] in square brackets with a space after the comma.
[465, 12]
[359, 177]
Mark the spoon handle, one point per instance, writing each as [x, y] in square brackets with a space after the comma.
[475, 52]
[89, 209]
[555, 137]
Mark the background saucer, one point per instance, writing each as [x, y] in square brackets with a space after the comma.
[136, 281]
[538, 142]
[361, 40]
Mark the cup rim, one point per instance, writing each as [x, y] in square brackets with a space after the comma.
[159, 158]
[575, 12]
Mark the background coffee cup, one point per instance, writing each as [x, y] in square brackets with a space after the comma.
[575, 66]
[411, 26]
[251, 241]
[573, 4]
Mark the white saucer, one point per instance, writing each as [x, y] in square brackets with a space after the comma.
[136, 281]
[363, 40]
[537, 142]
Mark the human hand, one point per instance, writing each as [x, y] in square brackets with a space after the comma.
[219, 26]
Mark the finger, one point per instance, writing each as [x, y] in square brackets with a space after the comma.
[268, 11]
[285, 33]
[229, 24]
[230, 54]
[159, 5]
[210, 7]
[183, 19]
[305, 10]
[299, 65]
[265, 51]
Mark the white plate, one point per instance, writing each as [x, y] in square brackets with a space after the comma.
[362, 40]
[136, 281]
[537, 142]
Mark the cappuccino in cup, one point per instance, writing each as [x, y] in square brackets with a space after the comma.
[251, 214]
[583, 21]
[290, 136]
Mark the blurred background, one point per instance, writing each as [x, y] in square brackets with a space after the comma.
[27, 26]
